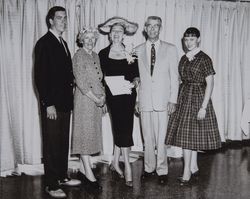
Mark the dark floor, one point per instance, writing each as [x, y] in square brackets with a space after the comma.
[224, 174]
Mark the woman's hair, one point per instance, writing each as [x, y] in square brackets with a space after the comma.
[192, 32]
[119, 24]
[82, 34]
[51, 14]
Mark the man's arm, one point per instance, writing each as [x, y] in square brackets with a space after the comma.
[42, 79]
[174, 80]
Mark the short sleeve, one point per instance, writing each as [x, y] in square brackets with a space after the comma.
[208, 67]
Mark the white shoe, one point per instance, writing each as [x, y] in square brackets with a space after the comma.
[58, 193]
[70, 182]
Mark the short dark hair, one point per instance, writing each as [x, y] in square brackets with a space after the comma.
[154, 18]
[51, 14]
[192, 32]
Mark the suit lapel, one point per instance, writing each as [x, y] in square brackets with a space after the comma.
[159, 55]
[145, 58]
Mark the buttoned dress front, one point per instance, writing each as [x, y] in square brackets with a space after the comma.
[184, 129]
[87, 116]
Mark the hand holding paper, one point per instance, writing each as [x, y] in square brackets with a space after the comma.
[118, 85]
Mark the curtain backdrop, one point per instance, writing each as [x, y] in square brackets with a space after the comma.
[225, 35]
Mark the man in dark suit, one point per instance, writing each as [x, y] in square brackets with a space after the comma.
[54, 82]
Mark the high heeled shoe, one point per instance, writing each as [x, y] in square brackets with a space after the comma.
[184, 182]
[91, 184]
[196, 174]
[115, 172]
[129, 183]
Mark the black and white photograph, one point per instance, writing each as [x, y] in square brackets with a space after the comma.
[125, 99]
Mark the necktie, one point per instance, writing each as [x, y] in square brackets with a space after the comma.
[61, 40]
[152, 58]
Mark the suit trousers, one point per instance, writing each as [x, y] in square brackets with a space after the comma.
[55, 136]
[154, 130]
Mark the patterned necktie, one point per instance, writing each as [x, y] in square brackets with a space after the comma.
[152, 58]
[61, 41]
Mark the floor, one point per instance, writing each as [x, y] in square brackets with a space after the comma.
[224, 174]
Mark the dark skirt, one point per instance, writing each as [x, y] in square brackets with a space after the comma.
[121, 109]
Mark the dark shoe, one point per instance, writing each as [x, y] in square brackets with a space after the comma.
[80, 176]
[58, 193]
[92, 184]
[184, 182]
[129, 183]
[115, 173]
[69, 182]
[163, 179]
[147, 174]
[196, 174]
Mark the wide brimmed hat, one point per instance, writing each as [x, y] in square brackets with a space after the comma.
[130, 28]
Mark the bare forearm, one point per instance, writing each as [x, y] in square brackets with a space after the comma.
[208, 91]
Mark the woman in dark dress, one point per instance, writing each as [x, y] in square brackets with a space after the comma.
[193, 126]
[115, 61]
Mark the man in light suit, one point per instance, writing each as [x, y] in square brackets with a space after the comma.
[158, 90]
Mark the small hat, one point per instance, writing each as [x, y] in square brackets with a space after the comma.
[130, 28]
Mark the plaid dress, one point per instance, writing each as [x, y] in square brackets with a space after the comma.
[184, 130]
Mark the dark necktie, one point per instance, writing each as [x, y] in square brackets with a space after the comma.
[61, 41]
[152, 58]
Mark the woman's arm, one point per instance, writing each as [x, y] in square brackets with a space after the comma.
[207, 96]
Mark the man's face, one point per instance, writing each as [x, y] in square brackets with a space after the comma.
[59, 23]
[153, 28]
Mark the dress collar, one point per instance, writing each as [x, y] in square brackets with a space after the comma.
[191, 54]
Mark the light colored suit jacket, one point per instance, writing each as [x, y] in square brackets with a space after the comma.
[162, 87]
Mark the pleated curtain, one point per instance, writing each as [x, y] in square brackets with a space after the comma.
[225, 37]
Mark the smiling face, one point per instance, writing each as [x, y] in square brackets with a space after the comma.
[152, 28]
[59, 22]
[89, 41]
[117, 34]
[191, 42]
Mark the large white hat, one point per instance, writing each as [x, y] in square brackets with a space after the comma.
[130, 28]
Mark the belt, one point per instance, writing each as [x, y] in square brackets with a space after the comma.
[193, 83]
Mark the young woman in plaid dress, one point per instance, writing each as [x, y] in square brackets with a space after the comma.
[193, 126]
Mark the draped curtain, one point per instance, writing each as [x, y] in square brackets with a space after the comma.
[225, 37]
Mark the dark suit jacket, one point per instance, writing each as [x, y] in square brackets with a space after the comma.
[53, 73]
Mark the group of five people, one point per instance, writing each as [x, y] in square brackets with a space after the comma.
[174, 102]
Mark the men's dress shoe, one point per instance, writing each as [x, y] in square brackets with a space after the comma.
[69, 182]
[147, 174]
[58, 193]
[163, 179]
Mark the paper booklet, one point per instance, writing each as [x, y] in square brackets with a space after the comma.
[118, 85]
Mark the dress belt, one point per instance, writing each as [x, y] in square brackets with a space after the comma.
[193, 83]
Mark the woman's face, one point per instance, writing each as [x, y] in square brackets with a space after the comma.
[117, 34]
[191, 42]
[89, 40]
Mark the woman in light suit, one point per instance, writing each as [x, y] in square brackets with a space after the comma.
[89, 100]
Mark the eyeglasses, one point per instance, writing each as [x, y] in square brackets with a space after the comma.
[153, 26]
